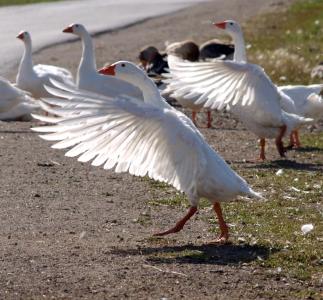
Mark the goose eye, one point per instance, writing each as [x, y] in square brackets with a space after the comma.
[231, 23]
[123, 65]
[76, 25]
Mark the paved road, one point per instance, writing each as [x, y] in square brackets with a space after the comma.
[45, 21]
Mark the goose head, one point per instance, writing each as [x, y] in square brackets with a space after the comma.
[77, 29]
[131, 73]
[24, 36]
[126, 71]
[235, 31]
[230, 26]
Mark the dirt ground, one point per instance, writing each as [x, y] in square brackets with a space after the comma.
[71, 231]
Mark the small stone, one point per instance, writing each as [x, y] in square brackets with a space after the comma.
[279, 172]
[306, 228]
[82, 235]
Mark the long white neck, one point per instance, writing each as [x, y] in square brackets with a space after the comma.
[239, 48]
[26, 63]
[149, 90]
[151, 93]
[87, 63]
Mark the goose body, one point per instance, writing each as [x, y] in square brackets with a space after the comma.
[33, 78]
[87, 76]
[15, 103]
[144, 138]
[304, 105]
[243, 88]
[315, 108]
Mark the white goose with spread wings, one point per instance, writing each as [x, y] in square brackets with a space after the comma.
[33, 78]
[242, 87]
[144, 138]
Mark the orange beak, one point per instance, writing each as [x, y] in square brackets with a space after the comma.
[110, 70]
[68, 29]
[20, 36]
[220, 25]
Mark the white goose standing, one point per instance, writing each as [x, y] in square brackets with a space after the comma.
[242, 87]
[33, 78]
[143, 138]
[87, 76]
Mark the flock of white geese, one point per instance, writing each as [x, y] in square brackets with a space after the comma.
[117, 118]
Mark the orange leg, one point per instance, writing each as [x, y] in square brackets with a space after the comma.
[180, 224]
[291, 141]
[297, 142]
[224, 235]
[194, 118]
[294, 140]
[209, 119]
[262, 149]
[279, 142]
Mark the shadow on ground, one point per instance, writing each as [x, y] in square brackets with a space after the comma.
[287, 164]
[16, 132]
[228, 254]
[309, 149]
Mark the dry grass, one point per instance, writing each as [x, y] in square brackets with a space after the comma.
[288, 44]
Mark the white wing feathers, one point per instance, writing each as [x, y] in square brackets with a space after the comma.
[54, 72]
[222, 84]
[129, 135]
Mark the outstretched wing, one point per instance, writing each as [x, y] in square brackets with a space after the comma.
[127, 134]
[225, 84]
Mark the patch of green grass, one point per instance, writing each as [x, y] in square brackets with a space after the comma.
[20, 2]
[312, 141]
[293, 199]
[288, 44]
[157, 184]
[176, 200]
[306, 294]
[144, 220]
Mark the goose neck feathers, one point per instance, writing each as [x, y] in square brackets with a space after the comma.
[87, 63]
[235, 31]
[129, 72]
[240, 48]
[88, 55]
[26, 63]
